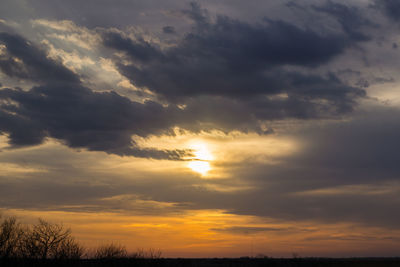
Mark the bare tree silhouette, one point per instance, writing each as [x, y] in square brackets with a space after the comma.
[11, 234]
[46, 240]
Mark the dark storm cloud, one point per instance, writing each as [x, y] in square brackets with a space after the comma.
[169, 29]
[391, 8]
[83, 118]
[228, 113]
[26, 61]
[64, 109]
[234, 59]
[349, 17]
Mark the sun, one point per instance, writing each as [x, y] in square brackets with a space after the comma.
[201, 167]
[200, 163]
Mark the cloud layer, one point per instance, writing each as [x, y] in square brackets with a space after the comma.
[246, 63]
[225, 74]
[320, 74]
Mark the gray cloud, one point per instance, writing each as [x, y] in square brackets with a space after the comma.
[354, 180]
[249, 229]
[83, 118]
[345, 172]
[26, 61]
[354, 164]
[234, 59]
[230, 75]
[391, 8]
[350, 18]
[168, 29]
[64, 109]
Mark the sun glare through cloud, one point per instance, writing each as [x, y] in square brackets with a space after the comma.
[201, 162]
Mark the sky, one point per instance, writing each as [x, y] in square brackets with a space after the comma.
[205, 128]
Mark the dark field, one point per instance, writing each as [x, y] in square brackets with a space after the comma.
[306, 262]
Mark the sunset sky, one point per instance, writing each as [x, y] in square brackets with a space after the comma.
[214, 128]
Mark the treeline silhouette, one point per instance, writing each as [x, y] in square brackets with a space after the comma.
[50, 244]
[45, 240]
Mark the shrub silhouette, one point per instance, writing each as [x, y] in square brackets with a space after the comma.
[69, 249]
[110, 251]
[149, 254]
